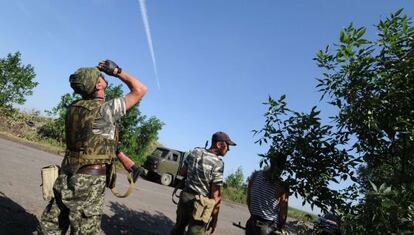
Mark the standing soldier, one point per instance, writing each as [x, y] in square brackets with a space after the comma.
[200, 199]
[91, 140]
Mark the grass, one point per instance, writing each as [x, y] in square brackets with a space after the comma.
[234, 195]
[301, 215]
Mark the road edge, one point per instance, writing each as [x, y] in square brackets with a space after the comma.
[36, 145]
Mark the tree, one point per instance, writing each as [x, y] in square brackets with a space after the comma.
[234, 188]
[371, 141]
[16, 80]
[235, 179]
[308, 155]
[146, 135]
[371, 82]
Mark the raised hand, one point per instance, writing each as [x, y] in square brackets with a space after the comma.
[109, 67]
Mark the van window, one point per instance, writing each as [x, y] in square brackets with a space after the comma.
[175, 157]
[160, 153]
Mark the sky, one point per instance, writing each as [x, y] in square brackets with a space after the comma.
[208, 65]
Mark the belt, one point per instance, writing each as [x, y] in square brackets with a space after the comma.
[95, 169]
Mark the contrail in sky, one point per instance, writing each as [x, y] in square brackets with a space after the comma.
[149, 39]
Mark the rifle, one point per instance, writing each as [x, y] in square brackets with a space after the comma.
[239, 225]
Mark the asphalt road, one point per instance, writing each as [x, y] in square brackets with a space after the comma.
[149, 210]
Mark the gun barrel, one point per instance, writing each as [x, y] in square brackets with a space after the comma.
[239, 225]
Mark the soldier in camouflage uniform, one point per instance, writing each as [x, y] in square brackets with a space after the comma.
[90, 145]
[203, 170]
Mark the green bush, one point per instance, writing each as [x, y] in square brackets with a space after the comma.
[235, 194]
[53, 130]
[384, 210]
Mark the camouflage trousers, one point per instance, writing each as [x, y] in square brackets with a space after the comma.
[185, 209]
[78, 204]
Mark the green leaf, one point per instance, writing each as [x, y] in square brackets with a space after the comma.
[387, 190]
[398, 12]
[361, 32]
[342, 36]
[319, 54]
[382, 187]
[386, 204]
[373, 186]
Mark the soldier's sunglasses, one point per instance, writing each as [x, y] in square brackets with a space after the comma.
[103, 77]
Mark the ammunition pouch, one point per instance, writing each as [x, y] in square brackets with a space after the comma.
[49, 175]
[203, 208]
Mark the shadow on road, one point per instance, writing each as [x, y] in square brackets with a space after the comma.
[14, 219]
[127, 221]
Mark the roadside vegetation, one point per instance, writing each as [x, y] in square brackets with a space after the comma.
[24, 125]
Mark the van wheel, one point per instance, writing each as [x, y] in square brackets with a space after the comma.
[166, 179]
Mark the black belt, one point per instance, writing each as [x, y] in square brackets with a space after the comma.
[95, 170]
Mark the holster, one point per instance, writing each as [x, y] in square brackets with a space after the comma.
[203, 208]
[49, 175]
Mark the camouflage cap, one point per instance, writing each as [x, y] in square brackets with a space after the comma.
[83, 81]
